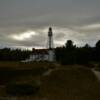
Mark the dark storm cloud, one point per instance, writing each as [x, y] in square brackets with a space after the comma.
[78, 20]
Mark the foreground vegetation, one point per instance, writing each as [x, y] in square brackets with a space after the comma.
[71, 82]
[12, 71]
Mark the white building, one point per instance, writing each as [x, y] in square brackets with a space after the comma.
[41, 55]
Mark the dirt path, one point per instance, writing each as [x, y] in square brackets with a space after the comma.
[97, 74]
[48, 72]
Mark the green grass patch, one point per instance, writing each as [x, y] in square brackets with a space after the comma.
[12, 71]
[20, 89]
[11, 74]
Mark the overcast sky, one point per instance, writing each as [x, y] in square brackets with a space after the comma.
[25, 23]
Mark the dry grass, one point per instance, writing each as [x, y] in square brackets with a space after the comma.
[67, 83]
[71, 84]
[20, 65]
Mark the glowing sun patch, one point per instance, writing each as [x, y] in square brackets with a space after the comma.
[23, 36]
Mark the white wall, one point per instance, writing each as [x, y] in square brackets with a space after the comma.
[41, 57]
[51, 55]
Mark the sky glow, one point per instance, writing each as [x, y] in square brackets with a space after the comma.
[25, 23]
[23, 36]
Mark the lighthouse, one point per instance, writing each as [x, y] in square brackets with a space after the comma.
[50, 46]
[46, 54]
[50, 38]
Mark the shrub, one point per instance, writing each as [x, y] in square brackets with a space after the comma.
[22, 89]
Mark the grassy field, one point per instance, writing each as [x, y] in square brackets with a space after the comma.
[64, 82]
[10, 71]
[71, 84]
[20, 65]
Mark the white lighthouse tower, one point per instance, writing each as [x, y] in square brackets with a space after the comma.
[50, 44]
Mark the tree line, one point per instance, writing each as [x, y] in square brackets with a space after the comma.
[71, 54]
[67, 54]
[7, 54]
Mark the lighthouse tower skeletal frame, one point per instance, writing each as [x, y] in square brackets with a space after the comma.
[50, 48]
[43, 54]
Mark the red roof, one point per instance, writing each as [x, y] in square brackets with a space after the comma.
[40, 51]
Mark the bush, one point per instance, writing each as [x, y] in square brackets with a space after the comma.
[22, 89]
[89, 65]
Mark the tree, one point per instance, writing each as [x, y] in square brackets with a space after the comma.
[98, 45]
[97, 51]
[86, 46]
[7, 54]
[69, 44]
